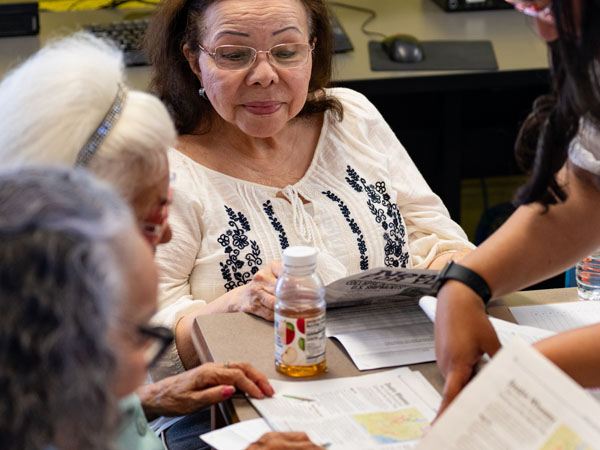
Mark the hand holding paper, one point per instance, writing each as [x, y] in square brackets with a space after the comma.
[474, 335]
[519, 401]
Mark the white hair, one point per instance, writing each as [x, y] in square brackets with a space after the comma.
[54, 101]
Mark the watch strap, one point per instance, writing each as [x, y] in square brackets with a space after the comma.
[454, 271]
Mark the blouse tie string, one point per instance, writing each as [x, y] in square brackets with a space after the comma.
[304, 225]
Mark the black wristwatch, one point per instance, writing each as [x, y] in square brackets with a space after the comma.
[453, 271]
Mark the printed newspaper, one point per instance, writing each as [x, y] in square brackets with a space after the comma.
[383, 285]
[375, 315]
[384, 318]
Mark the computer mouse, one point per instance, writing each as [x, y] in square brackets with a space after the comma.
[403, 48]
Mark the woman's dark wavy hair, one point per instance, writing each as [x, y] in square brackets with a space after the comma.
[57, 291]
[543, 141]
[177, 22]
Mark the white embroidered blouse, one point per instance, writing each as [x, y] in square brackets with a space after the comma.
[367, 206]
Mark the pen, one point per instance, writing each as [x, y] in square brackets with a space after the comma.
[295, 397]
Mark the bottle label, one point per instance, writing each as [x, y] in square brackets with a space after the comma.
[300, 341]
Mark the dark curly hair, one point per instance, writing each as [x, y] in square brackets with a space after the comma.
[179, 22]
[59, 281]
[542, 144]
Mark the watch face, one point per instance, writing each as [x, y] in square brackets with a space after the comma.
[446, 269]
[442, 277]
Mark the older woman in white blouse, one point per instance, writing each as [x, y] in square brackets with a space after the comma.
[267, 158]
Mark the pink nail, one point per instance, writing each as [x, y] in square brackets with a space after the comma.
[227, 392]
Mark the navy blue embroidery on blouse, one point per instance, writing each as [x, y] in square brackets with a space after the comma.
[362, 246]
[388, 216]
[234, 241]
[268, 209]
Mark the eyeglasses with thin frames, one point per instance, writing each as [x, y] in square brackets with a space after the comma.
[540, 9]
[160, 340]
[241, 57]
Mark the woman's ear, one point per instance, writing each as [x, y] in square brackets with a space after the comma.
[192, 59]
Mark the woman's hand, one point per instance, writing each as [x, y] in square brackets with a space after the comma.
[258, 296]
[204, 385]
[292, 440]
[463, 333]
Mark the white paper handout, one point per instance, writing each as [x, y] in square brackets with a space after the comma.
[237, 436]
[385, 335]
[558, 317]
[506, 331]
[519, 401]
[386, 410]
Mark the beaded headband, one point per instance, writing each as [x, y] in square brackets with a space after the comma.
[114, 112]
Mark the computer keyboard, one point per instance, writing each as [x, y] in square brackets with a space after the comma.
[341, 41]
[129, 34]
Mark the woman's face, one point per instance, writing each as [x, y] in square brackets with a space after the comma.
[151, 210]
[261, 99]
[135, 310]
[547, 31]
[544, 18]
[547, 28]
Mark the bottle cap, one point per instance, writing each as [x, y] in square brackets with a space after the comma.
[300, 258]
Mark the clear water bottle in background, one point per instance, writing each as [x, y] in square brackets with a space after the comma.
[300, 339]
[587, 273]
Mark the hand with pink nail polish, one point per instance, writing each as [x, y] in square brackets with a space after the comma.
[204, 385]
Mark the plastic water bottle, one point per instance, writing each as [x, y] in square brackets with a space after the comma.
[300, 339]
[587, 273]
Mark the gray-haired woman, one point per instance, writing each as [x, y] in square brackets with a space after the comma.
[63, 252]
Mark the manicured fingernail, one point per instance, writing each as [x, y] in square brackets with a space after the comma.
[271, 390]
[227, 392]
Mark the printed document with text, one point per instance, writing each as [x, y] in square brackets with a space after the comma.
[376, 317]
[518, 401]
[558, 317]
[387, 410]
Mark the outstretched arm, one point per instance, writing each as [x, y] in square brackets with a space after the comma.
[529, 247]
[576, 352]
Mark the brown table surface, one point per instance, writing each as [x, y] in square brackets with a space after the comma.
[243, 337]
